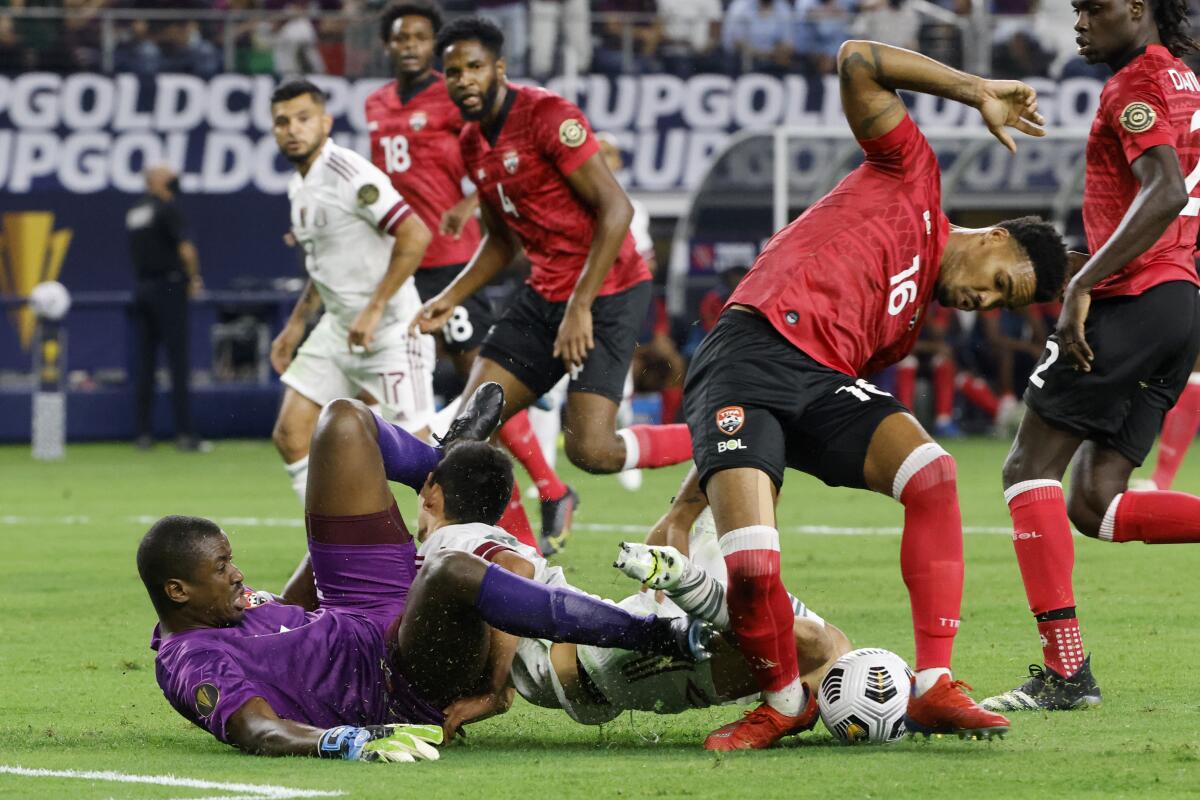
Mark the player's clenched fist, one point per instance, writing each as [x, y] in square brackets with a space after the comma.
[433, 315]
[401, 743]
[574, 340]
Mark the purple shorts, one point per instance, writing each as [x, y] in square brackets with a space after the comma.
[366, 563]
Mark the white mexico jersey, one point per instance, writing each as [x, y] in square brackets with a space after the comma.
[486, 541]
[343, 214]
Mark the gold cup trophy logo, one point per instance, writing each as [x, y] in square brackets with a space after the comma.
[31, 252]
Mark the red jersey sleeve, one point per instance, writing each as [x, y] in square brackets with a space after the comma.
[897, 148]
[1138, 112]
[563, 133]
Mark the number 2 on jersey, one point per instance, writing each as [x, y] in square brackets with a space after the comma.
[904, 288]
[1192, 208]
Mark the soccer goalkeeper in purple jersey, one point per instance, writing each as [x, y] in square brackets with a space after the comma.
[365, 676]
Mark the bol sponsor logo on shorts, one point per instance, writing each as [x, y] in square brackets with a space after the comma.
[730, 419]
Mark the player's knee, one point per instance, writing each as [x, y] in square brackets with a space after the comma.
[1086, 511]
[1016, 468]
[291, 439]
[592, 453]
[345, 420]
[451, 572]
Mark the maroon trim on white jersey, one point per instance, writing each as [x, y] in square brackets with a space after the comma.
[344, 167]
[489, 550]
[394, 216]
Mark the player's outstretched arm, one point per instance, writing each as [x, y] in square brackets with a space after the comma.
[257, 729]
[870, 74]
[494, 254]
[412, 237]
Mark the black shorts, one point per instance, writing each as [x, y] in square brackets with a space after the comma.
[753, 399]
[1145, 348]
[522, 341]
[471, 320]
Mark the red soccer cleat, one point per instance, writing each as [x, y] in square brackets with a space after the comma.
[947, 708]
[763, 727]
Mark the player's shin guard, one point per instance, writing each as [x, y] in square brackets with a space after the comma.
[298, 474]
[516, 521]
[518, 436]
[1046, 556]
[761, 616]
[1178, 431]
[406, 459]
[653, 446]
[931, 551]
[1153, 518]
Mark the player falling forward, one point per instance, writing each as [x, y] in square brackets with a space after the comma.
[362, 244]
[839, 293]
[1135, 303]
[414, 130]
[543, 184]
[388, 647]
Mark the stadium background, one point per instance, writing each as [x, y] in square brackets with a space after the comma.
[727, 118]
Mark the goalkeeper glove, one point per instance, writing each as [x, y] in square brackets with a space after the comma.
[393, 743]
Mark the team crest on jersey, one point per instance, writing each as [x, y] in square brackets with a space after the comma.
[418, 120]
[367, 194]
[730, 419]
[572, 133]
[206, 699]
[1137, 117]
[511, 162]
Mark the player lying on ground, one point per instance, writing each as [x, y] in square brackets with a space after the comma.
[544, 186]
[1126, 341]
[838, 294]
[595, 684]
[274, 679]
[414, 130]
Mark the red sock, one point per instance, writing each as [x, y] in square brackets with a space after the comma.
[1178, 431]
[931, 551]
[672, 401]
[516, 522]
[656, 446]
[1062, 646]
[760, 613]
[943, 388]
[518, 436]
[979, 394]
[906, 381]
[1153, 518]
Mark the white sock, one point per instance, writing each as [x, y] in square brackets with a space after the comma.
[788, 700]
[298, 472]
[700, 595]
[632, 451]
[926, 678]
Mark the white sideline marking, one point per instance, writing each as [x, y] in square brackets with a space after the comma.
[592, 527]
[249, 791]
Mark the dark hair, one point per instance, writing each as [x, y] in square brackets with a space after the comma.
[466, 28]
[169, 550]
[297, 87]
[1047, 251]
[414, 8]
[1171, 17]
[476, 481]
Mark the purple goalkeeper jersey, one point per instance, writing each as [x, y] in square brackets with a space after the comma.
[327, 667]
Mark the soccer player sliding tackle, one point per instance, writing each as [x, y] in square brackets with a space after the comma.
[838, 294]
[1126, 341]
[368, 675]
[544, 187]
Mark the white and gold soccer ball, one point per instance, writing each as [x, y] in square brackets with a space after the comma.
[864, 695]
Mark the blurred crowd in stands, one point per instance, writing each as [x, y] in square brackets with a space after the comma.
[1016, 38]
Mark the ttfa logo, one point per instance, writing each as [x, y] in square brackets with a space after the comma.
[31, 252]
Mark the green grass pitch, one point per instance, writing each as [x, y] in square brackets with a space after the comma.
[77, 688]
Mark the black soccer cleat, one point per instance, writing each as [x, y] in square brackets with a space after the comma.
[1046, 690]
[685, 638]
[479, 417]
[556, 522]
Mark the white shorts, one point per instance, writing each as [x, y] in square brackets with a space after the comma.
[397, 371]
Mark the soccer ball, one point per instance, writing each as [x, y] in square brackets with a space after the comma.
[864, 695]
[50, 300]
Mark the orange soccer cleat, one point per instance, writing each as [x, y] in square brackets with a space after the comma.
[947, 708]
[763, 727]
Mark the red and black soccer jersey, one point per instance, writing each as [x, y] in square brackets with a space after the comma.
[522, 175]
[414, 140]
[1153, 100]
[847, 282]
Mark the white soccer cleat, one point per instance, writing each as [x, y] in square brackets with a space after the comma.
[660, 568]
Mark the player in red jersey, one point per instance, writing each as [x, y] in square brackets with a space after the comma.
[1126, 340]
[840, 293]
[414, 130]
[543, 184]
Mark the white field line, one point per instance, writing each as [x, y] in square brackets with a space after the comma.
[587, 527]
[246, 791]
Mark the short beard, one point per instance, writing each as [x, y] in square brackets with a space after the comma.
[300, 159]
[488, 101]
